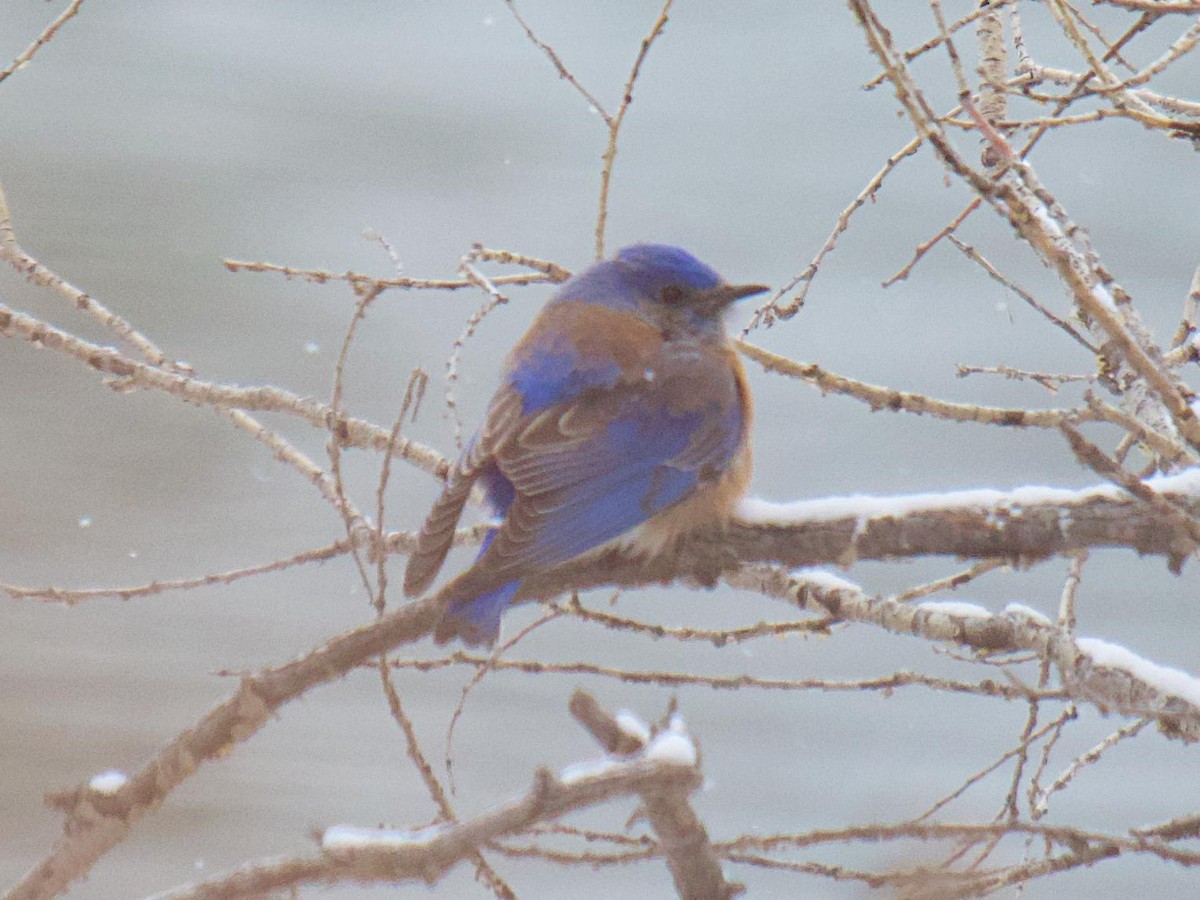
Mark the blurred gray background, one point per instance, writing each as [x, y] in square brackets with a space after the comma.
[148, 141]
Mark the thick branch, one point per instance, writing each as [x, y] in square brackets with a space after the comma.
[1021, 525]
[1024, 524]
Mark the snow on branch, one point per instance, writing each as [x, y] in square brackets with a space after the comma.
[1021, 525]
[1107, 675]
[662, 771]
[694, 864]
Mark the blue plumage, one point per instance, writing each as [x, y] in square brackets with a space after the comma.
[622, 414]
[557, 375]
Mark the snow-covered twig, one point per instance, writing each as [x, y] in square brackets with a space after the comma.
[681, 835]
[1105, 674]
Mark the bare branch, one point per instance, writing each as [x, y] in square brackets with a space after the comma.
[614, 128]
[38, 274]
[884, 398]
[563, 71]
[1104, 674]
[41, 40]
[132, 374]
[362, 283]
[93, 827]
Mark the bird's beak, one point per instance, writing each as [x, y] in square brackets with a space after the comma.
[730, 293]
[738, 291]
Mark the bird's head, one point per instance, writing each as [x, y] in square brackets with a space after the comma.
[676, 289]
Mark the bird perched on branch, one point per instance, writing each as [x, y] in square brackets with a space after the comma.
[623, 414]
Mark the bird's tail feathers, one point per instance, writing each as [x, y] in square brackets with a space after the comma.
[436, 536]
[476, 621]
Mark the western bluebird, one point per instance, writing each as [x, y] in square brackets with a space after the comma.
[623, 414]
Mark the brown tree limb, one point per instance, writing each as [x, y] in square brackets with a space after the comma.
[382, 855]
[986, 524]
[1106, 675]
[131, 374]
[97, 823]
[1022, 525]
[681, 835]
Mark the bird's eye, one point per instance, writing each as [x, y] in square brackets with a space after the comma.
[671, 294]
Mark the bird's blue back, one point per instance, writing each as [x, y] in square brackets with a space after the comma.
[622, 401]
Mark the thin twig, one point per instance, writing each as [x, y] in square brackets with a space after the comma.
[884, 398]
[978, 258]
[614, 128]
[40, 275]
[362, 283]
[563, 71]
[771, 310]
[129, 374]
[41, 40]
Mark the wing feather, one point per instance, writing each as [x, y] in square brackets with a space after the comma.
[587, 471]
[437, 534]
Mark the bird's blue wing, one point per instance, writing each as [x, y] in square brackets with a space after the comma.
[572, 348]
[587, 470]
